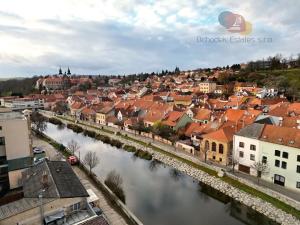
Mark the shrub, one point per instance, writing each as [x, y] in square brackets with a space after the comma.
[129, 148]
[89, 133]
[55, 121]
[143, 154]
[116, 143]
[75, 128]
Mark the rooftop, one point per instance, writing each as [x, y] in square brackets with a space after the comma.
[11, 115]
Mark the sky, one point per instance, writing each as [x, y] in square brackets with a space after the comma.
[132, 36]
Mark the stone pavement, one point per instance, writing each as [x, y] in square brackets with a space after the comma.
[113, 217]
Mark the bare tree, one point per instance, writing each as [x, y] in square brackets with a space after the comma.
[91, 160]
[114, 178]
[261, 168]
[73, 146]
[39, 121]
[114, 181]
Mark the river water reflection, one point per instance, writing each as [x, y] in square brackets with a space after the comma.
[158, 194]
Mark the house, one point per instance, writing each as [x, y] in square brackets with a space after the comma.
[184, 100]
[246, 147]
[103, 114]
[217, 145]
[185, 145]
[88, 114]
[245, 86]
[176, 120]
[202, 116]
[276, 146]
[54, 185]
[75, 109]
[280, 149]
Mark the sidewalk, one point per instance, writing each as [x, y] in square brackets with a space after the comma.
[113, 217]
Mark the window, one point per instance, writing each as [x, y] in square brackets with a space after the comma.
[206, 145]
[75, 207]
[298, 184]
[283, 165]
[298, 158]
[298, 169]
[2, 141]
[242, 144]
[214, 157]
[277, 153]
[277, 163]
[220, 159]
[221, 148]
[285, 155]
[253, 147]
[213, 147]
[0, 128]
[264, 159]
[252, 157]
[241, 154]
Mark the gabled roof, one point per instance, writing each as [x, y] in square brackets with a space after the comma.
[223, 135]
[77, 105]
[172, 118]
[252, 131]
[203, 114]
[281, 135]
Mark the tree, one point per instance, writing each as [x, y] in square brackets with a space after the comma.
[261, 168]
[114, 181]
[91, 160]
[39, 121]
[73, 146]
[60, 107]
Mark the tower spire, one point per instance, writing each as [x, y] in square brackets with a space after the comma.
[59, 71]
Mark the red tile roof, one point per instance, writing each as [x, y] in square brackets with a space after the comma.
[223, 135]
[281, 135]
[172, 118]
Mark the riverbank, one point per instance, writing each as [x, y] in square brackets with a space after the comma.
[208, 176]
[116, 212]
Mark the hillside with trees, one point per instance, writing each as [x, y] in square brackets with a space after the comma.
[19, 87]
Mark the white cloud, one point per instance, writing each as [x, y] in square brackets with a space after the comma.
[113, 36]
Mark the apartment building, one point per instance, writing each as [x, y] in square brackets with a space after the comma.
[207, 87]
[15, 149]
[17, 104]
[276, 146]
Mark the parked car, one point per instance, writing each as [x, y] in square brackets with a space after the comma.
[38, 150]
[40, 160]
[73, 160]
[98, 211]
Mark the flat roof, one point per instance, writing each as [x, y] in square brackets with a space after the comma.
[11, 115]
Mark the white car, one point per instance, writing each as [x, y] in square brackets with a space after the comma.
[38, 150]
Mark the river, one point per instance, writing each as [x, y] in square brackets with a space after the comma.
[158, 194]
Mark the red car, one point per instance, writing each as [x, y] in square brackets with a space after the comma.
[73, 160]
